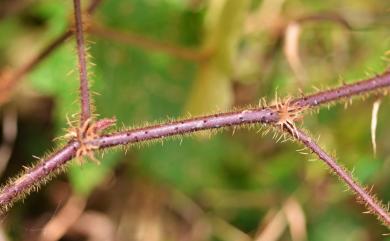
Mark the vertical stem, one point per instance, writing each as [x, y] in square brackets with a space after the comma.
[373, 205]
[84, 91]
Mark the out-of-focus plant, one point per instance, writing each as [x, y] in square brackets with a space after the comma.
[212, 88]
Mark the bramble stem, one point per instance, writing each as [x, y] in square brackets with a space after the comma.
[343, 92]
[228, 119]
[81, 54]
[36, 175]
[267, 115]
[149, 43]
[373, 205]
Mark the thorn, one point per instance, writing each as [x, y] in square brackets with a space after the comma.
[70, 72]
[36, 157]
[280, 137]
[275, 135]
[259, 130]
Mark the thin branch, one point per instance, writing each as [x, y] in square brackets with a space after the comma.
[377, 83]
[15, 76]
[149, 44]
[373, 205]
[34, 176]
[266, 115]
[8, 83]
[81, 53]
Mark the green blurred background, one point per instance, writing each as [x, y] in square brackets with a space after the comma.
[182, 58]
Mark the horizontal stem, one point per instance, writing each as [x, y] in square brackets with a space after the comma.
[267, 115]
[373, 205]
[248, 116]
[255, 115]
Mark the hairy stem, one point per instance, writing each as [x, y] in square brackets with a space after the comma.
[81, 54]
[375, 83]
[265, 115]
[8, 84]
[247, 116]
[373, 205]
[34, 176]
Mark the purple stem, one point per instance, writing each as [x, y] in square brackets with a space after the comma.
[361, 87]
[256, 115]
[93, 5]
[248, 116]
[34, 176]
[371, 203]
[269, 115]
[81, 53]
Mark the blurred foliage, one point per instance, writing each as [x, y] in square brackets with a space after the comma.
[230, 185]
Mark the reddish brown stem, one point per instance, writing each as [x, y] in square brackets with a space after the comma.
[373, 205]
[81, 54]
[149, 44]
[349, 90]
[17, 75]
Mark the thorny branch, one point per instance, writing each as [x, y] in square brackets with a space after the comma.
[270, 115]
[87, 138]
[373, 205]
